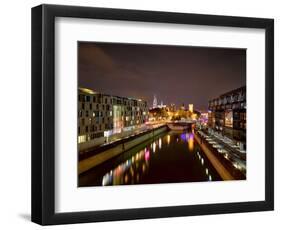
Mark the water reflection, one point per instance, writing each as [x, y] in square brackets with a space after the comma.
[168, 139]
[201, 159]
[154, 146]
[172, 157]
[190, 141]
[133, 169]
[128, 171]
[160, 143]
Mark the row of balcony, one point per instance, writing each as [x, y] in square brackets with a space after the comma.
[228, 99]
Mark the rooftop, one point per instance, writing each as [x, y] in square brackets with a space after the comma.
[92, 92]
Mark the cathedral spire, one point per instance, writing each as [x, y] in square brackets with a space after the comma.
[154, 102]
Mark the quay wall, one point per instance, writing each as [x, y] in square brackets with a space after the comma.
[93, 161]
[215, 161]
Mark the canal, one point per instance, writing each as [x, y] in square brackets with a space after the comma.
[171, 157]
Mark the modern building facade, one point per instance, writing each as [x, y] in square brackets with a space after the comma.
[227, 115]
[101, 116]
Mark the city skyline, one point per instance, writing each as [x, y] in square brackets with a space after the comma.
[142, 114]
[142, 71]
[159, 103]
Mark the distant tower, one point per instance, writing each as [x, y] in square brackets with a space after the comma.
[182, 106]
[161, 104]
[154, 102]
[190, 106]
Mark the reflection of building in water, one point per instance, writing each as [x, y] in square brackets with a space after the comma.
[173, 155]
[130, 171]
[168, 139]
[207, 172]
[102, 115]
[227, 115]
[133, 169]
[190, 141]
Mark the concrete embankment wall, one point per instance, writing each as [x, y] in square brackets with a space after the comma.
[85, 146]
[220, 168]
[101, 157]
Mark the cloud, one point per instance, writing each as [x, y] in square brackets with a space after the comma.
[92, 55]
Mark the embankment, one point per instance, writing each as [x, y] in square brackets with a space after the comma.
[215, 161]
[117, 148]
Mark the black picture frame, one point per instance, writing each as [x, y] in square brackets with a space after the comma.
[43, 114]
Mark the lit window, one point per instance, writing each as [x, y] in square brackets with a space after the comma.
[81, 139]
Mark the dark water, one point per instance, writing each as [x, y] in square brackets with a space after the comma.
[169, 158]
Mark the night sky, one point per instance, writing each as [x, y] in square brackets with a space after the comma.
[175, 74]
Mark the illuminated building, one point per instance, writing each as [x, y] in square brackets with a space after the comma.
[227, 115]
[204, 115]
[172, 108]
[190, 108]
[182, 107]
[154, 102]
[101, 116]
[161, 106]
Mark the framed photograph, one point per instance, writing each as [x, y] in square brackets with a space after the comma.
[142, 114]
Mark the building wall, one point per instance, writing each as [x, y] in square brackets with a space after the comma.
[102, 115]
[227, 114]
